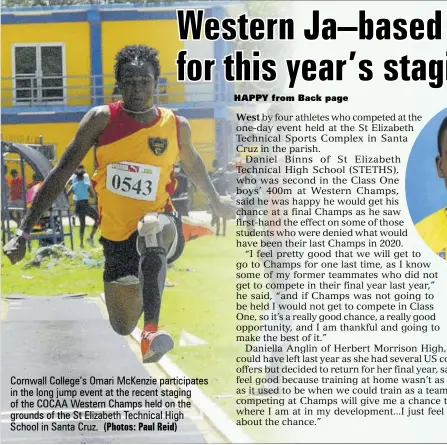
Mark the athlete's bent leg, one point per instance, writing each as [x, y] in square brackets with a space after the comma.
[122, 288]
[124, 304]
[157, 241]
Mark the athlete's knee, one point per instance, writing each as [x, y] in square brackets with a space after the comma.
[149, 227]
[157, 234]
[122, 327]
[124, 323]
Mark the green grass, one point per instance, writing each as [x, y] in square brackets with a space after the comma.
[201, 301]
[53, 278]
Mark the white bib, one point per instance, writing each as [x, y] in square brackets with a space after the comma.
[135, 181]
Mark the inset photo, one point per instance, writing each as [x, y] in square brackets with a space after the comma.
[426, 184]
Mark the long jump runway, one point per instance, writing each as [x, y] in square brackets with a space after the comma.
[68, 338]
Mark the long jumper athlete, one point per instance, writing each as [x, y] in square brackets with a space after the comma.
[137, 145]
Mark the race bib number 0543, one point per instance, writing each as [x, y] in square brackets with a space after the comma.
[136, 181]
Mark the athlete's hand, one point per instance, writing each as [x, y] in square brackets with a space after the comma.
[225, 207]
[15, 249]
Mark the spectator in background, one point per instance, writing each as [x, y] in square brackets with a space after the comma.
[74, 178]
[16, 197]
[180, 197]
[32, 189]
[81, 190]
[221, 185]
[5, 196]
[15, 186]
[231, 176]
[36, 180]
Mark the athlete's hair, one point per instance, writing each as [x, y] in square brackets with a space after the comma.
[441, 131]
[143, 52]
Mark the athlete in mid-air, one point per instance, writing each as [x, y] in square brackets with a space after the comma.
[137, 145]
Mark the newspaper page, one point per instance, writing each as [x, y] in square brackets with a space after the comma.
[265, 259]
[347, 277]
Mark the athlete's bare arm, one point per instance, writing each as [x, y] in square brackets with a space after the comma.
[194, 167]
[90, 128]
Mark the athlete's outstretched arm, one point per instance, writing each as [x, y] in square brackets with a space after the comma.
[90, 128]
[194, 167]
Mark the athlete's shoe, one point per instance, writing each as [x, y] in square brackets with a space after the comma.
[91, 242]
[154, 345]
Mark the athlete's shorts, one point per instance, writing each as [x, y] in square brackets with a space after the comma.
[122, 258]
[84, 209]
